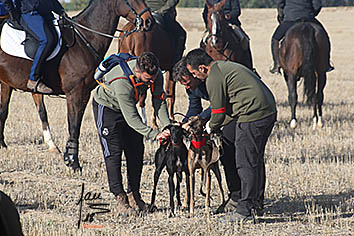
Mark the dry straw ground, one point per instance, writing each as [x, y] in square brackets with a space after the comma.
[310, 188]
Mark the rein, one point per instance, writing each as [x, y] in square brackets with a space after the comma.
[138, 22]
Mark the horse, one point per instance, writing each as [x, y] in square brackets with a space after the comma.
[86, 37]
[304, 53]
[158, 41]
[222, 43]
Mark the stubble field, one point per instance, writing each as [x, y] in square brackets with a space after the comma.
[310, 184]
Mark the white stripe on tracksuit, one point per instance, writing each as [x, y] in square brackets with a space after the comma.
[106, 151]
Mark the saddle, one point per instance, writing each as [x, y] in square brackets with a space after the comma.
[15, 41]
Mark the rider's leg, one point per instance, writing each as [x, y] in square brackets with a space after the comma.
[34, 24]
[330, 67]
[278, 35]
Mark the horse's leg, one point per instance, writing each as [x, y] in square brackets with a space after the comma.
[6, 92]
[170, 89]
[42, 111]
[292, 97]
[322, 80]
[76, 102]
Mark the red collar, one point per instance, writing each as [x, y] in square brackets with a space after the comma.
[198, 144]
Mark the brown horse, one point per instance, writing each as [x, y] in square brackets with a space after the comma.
[304, 53]
[158, 41]
[71, 73]
[222, 43]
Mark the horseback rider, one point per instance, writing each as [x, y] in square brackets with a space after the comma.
[167, 9]
[232, 11]
[33, 15]
[291, 12]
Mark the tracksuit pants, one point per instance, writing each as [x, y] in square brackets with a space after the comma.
[117, 136]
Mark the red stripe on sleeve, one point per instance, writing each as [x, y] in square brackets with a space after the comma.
[218, 111]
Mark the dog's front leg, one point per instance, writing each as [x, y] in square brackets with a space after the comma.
[172, 193]
[191, 169]
[216, 170]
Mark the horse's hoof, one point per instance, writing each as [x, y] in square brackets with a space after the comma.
[293, 124]
[3, 144]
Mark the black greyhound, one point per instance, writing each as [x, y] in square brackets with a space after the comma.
[172, 153]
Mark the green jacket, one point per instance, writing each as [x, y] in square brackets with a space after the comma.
[120, 96]
[236, 92]
[162, 6]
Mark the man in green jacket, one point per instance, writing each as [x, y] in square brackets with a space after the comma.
[121, 128]
[238, 95]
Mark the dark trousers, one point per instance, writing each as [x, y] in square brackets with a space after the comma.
[229, 162]
[250, 141]
[44, 32]
[117, 136]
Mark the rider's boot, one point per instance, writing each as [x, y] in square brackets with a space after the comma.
[275, 54]
[37, 86]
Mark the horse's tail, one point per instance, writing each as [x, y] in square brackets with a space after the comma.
[308, 61]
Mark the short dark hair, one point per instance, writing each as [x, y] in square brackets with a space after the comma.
[180, 69]
[148, 62]
[198, 57]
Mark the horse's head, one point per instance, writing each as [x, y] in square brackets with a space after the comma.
[136, 11]
[215, 20]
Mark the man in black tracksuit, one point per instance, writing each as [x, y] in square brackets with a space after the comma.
[289, 13]
[121, 128]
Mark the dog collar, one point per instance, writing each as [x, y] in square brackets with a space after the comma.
[198, 144]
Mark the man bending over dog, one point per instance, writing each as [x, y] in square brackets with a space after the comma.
[196, 90]
[121, 128]
[238, 95]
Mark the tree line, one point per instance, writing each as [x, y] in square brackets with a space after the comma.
[80, 4]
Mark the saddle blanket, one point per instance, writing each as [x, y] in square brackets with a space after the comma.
[11, 42]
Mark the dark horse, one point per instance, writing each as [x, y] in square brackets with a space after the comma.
[222, 43]
[158, 41]
[71, 73]
[304, 53]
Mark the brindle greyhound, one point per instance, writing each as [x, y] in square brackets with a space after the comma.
[204, 152]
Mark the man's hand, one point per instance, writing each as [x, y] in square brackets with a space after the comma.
[207, 127]
[186, 127]
[163, 135]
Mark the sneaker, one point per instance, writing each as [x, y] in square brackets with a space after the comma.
[38, 87]
[136, 202]
[123, 206]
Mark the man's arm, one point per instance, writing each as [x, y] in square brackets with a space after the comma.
[126, 103]
[217, 100]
